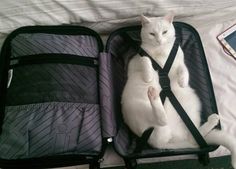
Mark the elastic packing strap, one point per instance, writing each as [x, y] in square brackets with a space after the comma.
[166, 89]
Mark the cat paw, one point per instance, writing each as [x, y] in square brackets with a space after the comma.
[145, 61]
[147, 69]
[214, 119]
[147, 77]
[152, 93]
[183, 81]
[183, 76]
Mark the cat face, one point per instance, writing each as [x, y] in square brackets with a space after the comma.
[157, 31]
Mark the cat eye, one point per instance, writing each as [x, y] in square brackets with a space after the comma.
[153, 34]
[164, 32]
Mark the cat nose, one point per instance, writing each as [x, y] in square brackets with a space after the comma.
[158, 39]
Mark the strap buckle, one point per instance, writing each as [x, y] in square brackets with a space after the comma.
[164, 81]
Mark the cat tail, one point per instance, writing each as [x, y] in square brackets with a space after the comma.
[219, 137]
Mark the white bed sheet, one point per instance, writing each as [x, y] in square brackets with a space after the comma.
[209, 17]
[223, 70]
[103, 14]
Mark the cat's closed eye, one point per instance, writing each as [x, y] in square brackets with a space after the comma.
[153, 34]
[164, 32]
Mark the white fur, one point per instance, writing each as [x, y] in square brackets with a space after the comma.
[141, 104]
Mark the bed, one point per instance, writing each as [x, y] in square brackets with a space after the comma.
[209, 18]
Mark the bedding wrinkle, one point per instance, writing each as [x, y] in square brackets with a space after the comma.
[61, 11]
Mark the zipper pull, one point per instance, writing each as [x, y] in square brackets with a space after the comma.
[10, 75]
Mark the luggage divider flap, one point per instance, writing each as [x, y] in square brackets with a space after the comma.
[119, 53]
[109, 128]
[63, 60]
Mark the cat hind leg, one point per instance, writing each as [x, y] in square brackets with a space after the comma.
[157, 106]
[162, 138]
[212, 121]
[219, 137]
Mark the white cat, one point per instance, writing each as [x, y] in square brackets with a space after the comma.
[142, 107]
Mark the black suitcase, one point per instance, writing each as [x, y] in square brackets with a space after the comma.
[63, 104]
[127, 144]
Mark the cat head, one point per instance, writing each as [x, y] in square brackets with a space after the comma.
[157, 31]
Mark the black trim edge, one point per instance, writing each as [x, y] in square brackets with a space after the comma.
[48, 162]
[57, 30]
[54, 58]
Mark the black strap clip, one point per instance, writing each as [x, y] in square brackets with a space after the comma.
[164, 80]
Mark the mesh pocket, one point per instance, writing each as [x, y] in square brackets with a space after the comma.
[50, 128]
[53, 82]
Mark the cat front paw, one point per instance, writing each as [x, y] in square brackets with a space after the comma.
[147, 77]
[183, 81]
[183, 76]
[152, 93]
[147, 69]
[214, 119]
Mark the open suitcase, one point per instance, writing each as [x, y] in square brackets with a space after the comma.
[63, 104]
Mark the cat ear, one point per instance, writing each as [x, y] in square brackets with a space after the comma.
[169, 17]
[144, 20]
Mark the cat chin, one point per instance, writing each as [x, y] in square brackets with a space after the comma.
[157, 47]
[152, 46]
